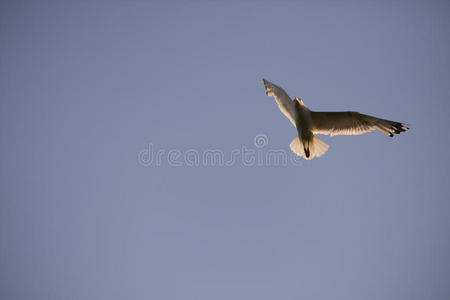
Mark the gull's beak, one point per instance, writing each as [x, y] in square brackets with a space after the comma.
[299, 100]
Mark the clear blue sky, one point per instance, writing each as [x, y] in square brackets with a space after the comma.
[85, 86]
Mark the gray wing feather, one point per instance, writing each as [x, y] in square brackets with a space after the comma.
[352, 123]
[285, 103]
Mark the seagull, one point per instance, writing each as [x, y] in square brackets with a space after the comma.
[309, 123]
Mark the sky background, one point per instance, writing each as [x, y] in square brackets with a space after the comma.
[86, 86]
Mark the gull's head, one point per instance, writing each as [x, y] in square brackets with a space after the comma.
[299, 101]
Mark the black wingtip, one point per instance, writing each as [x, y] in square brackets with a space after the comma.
[397, 128]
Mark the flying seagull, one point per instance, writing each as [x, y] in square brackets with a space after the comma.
[309, 123]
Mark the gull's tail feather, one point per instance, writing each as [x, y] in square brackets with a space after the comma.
[314, 148]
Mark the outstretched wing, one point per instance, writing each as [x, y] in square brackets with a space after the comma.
[285, 103]
[352, 123]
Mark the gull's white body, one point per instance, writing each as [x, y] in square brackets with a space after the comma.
[308, 123]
